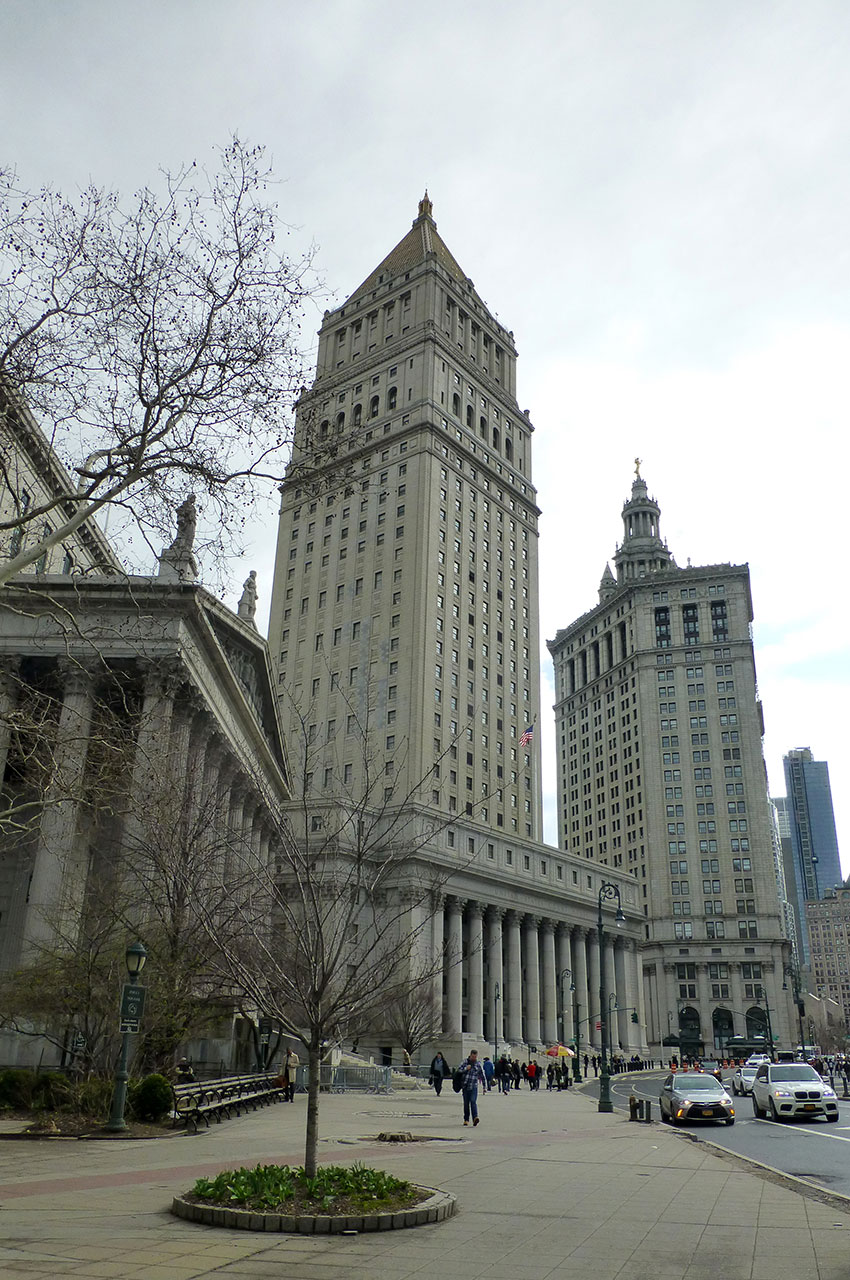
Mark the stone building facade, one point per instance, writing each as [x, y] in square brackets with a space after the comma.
[404, 629]
[661, 776]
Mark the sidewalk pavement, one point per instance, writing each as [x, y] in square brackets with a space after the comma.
[546, 1187]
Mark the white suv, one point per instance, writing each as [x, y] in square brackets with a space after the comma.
[787, 1090]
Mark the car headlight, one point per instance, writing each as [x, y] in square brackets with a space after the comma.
[829, 1093]
[782, 1093]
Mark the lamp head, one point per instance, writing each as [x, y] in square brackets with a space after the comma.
[135, 957]
[620, 917]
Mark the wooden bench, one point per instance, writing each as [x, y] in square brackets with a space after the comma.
[202, 1099]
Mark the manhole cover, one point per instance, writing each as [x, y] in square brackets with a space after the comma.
[398, 1115]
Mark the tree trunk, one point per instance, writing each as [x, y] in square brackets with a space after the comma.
[314, 1062]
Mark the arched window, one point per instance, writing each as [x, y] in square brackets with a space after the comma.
[495, 437]
[392, 397]
[756, 1023]
[340, 421]
[721, 1023]
[482, 428]
[509, 449]
[323, 430]
[358, 414]
[373, 407]
[690, 1037]
[456, 405]
[469, 421]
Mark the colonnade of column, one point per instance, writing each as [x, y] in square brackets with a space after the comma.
[519, 978]
[174, 756]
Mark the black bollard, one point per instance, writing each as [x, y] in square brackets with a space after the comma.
[647, 1111]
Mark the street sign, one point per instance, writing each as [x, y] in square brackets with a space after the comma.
[132, 1002]
[129, 1026]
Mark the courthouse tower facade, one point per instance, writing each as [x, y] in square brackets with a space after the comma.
[404, 625]
[405, 600]
[661, 774]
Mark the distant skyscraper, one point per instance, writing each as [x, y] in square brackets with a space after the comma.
[661, 774]
[811, 831]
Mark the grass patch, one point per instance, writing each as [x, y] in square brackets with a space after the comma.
[275, 1188]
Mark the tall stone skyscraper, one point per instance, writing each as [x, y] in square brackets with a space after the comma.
[661, 774]
[404, 608]
[404, 627]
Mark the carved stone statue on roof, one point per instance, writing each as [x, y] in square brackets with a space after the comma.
[247, 606]
[177, 563]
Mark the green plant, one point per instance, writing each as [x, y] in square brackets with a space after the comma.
[152, 1098]
[271, 1186]
[51, 1091]
[16, 1086]
[92, 1097]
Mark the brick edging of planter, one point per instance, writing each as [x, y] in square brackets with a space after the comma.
[439, 1206]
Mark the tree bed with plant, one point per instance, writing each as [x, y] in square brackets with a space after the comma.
[335, 1189]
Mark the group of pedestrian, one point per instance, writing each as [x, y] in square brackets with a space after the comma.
[504, 1075]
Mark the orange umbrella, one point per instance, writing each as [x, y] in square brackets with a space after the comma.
[560, 1051]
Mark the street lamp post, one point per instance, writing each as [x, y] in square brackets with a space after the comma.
[577, 1071]
[132, 1004]
[568, 973]
[791, 970]
[607, 892]
[497, 995]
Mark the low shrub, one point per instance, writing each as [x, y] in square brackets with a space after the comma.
[334, 1189]
[16, 1088]
[51, 1091]
[93, 1097]
[151, 1099]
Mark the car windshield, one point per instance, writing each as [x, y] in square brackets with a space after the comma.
[748, 1071]
[697, 1082]
[794, 1073]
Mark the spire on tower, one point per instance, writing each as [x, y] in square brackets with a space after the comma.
[426, 208]
[642, 551]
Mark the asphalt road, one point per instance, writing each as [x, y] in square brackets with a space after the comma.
[809, 1149]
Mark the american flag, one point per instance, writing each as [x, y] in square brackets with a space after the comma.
[527, 736]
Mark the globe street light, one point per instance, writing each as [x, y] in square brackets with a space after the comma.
[132, 1004]
[607, 892]
[497, 995]
[568, 973]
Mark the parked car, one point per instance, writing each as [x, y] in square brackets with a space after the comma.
[788, 1090]
[742, 1080]
[694, 1096]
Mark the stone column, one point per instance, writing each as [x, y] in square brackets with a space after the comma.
[57, 885]
[532, 980]
[636, 965]
[550, 987]
[494, 955]
[579, 968]
[454, 960]
[622, 1031]
[9, 690]
[565, 995]
[513, 977]
[475, 966]
[438, 935]
[593, 1035]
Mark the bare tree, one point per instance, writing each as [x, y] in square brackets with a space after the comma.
[348, 903]
[412, 1016]
[159, 341]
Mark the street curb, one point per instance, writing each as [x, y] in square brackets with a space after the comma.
[808, 1189]
[439, 1206]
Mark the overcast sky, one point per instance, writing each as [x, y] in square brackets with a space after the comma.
[653, 195]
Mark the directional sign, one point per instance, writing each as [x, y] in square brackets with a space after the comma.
[132, 1002]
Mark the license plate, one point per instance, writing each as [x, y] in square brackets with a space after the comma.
[708, 1111]
[810, 1106]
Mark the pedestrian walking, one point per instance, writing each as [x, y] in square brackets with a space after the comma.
[290, 1066]
[472, 1075]
[489, 1072]
[502, 1073]
[439, 1070]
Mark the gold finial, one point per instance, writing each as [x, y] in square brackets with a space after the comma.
[637, 467]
